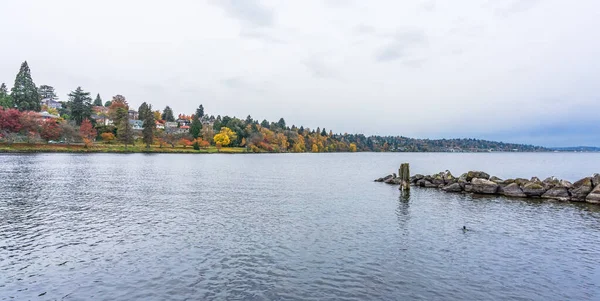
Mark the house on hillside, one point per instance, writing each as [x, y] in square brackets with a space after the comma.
[182, 129]
[100, 115]
[160, 125]
[136, 124]
[46, 115]
[133, 114]
[51, 103]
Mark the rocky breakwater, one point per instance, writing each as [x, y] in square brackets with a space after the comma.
[479, 182]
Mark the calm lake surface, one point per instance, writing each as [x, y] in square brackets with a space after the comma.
[288, 227]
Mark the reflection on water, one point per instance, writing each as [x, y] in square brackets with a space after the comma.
[293, 227]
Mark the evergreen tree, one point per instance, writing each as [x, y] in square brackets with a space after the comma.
[124, 129]
[195, 127]
[81, 106]
[108, 103]
[281, 123]
[200, 112]
[24, 92]
[264, 124]
[167, 114]
[46, 91]
[98, 100]
[249, 120]
[324, 132]
[143, 110]
[217, 124]
[301, 130]
[149, 124]
[5, 99]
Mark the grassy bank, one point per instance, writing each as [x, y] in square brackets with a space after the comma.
[110, 148]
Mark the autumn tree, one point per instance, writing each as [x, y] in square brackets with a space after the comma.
[10, 124]
[98, 100]
[50, 130]
[353, 147]
[149, 124]
[118, 102]
[68, 132]
[24, 92]
[30, 125]
[47, 92]
[107, 137]
[184, 142]
[225, 136]
[87, 132]
[167, 114]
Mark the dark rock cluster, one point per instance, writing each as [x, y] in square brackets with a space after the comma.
[479, 182]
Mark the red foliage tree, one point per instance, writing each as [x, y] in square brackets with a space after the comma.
[50, 130]
[30, 124]
[87, 132]
[10, 120]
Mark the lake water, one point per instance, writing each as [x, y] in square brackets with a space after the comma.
[288, 227]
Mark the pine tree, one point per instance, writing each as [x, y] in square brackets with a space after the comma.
[167, 114]
[108, 103]
[124, 129]
[264, 124]
[81, 106]
[323, 132]
[47, 92]
[24, 92]
[281, 124]
[98, 101]
[5, 99]
[196, 125]
[200, 112]
[143, 110]
[149, 124]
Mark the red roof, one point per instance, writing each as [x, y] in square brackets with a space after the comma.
[184, 127]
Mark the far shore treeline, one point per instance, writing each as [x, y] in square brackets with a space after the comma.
[33, 116]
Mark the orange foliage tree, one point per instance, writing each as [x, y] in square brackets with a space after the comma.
[50, 130]
[87, 132]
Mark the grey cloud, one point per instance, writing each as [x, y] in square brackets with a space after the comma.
[428, 5]
[249, 12]
[401, 45]
[516, 6]
[260, 35]
[319, 68]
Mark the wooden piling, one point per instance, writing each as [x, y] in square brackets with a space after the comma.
[404, 174]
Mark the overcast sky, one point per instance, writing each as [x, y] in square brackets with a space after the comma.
[513, 70]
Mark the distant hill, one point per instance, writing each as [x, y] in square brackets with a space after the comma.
[404, 144]
[577, 149]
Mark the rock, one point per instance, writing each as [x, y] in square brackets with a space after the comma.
[483, 186]
[477, 174]
[420, 183]
[557, 193]
[513, 190]
[468, 187]
[496, 180]
[596, 179]
[448, 177]
[462, 178]
[581, 189]
[594, 196]
[508, 181]
[392, 181]
[428, 184]
[384, 178]
[534, 189]
[452, 188]
[414, 179]
[535, 180]
[438, 179]
[521, 182]
[565, 184]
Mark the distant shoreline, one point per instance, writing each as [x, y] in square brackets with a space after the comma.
[139, 148]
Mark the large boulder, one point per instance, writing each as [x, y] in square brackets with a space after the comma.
[551, 182]
[438, 179]
[385, 178]
[594, 196]
[564, 183]
[596, 179]
[462, 179]
[392, 181]
[455, 187]
[521, 182]
[581, 189]
[477, 174]
[557, 193]
[513, 190]
[483, 186]
[428, 184]
[534, 189]
[448, 177]
[496, 180]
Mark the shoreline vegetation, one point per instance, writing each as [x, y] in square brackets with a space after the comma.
[33, 119]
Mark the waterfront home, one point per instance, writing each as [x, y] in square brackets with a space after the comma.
[182, 129]
[183, 122]
[160, 125]
[171, 124]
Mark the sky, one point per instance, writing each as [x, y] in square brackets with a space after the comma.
[525, 71]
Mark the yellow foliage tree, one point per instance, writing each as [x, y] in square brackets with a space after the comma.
[353, 147]
[225, 136]
[315, 148]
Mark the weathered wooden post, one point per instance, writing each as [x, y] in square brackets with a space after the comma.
[404, 174]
